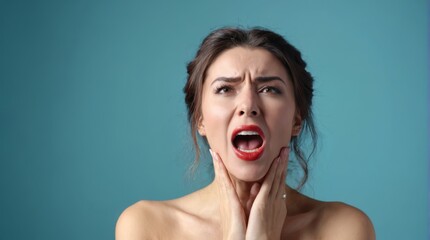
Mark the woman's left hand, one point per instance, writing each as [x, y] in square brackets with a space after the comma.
[268, 211]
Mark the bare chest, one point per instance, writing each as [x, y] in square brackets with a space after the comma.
[189, 227]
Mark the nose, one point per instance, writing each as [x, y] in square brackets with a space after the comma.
[248, 103]
[248, 113]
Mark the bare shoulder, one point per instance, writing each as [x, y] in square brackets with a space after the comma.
[141, 221]
[338, 220]
[170, 219]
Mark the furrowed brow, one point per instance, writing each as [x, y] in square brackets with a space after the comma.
[269, 79]
[226, 79]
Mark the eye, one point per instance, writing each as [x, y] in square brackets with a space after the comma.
[270, 89]
[223, 89]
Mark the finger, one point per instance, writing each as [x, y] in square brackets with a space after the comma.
[215, 164]
[213, 160]
[277, 182]
[223, 178]
[267, 184]
[230, 209]
[253, 194]
[287, 161]
[281, 174]
[217, 171]
[217, 167]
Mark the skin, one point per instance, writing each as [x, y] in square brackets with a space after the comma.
[244, 201]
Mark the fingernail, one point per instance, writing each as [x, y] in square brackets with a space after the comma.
[210, 151]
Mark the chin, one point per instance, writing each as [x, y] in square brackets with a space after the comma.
[249, 173]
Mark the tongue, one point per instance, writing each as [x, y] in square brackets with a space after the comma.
[249, 143]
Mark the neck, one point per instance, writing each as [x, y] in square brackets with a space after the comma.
[245, 191]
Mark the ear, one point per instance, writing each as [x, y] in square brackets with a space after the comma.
[297, 125]
[201, 127]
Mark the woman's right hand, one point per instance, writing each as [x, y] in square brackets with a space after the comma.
[233, 220]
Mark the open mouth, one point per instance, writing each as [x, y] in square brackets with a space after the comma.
[248, 142]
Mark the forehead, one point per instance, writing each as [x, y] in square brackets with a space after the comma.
[238, 61]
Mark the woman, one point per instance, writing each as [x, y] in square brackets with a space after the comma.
[249, 96]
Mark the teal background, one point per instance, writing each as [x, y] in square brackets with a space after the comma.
[92, 114]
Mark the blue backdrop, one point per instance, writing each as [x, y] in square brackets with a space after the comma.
[93, 118]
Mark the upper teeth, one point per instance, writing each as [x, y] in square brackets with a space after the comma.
[245, 133]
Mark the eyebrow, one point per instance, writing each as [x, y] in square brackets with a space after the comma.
[269, 79]
[262, 79]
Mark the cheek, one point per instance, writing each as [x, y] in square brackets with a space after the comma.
[280, 124]
[215, 121]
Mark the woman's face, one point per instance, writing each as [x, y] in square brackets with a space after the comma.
[248, 110]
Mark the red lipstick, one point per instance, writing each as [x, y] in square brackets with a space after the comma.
[248, 142]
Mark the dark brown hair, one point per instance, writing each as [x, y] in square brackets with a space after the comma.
[227, 38]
